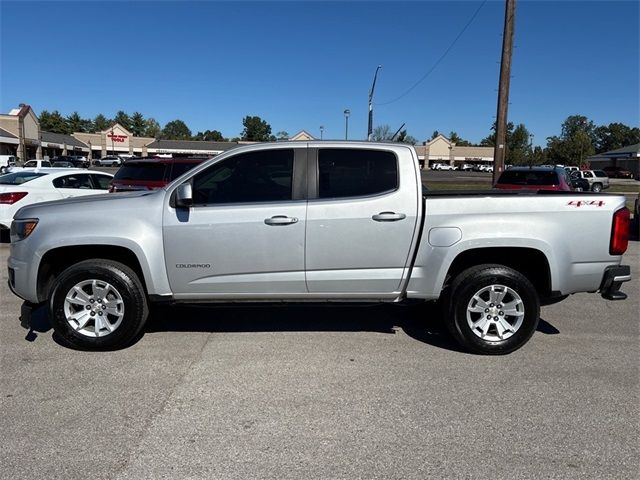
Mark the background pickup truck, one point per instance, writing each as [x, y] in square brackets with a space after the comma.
[319, 221]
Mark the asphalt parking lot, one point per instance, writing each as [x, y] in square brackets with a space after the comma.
[324, 392]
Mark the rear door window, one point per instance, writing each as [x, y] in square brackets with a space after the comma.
[348, 172]
[81, 181]
[600, 173]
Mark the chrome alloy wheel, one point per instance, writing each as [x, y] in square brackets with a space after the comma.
[495, 313]
[94, 308]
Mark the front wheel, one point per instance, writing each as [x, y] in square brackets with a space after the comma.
[596, 187]
[491, 309]
[98, 304]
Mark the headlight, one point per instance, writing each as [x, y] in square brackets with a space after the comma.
[21, 229]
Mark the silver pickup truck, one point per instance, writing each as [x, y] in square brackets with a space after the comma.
[318, 221]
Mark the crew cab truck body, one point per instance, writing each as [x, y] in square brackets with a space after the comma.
[319, 221]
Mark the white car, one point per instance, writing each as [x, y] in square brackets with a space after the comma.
[30, 165]
[25, 187]
[442, 166]
[108, 161]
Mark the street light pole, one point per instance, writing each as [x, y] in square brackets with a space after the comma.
[321, 131]
[373, 86]
[347, 112]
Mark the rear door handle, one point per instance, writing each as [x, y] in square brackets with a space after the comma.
[389, 217]
[280, 220]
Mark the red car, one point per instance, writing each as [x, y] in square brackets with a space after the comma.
[150, 173]
[617, 172]
[535, 178]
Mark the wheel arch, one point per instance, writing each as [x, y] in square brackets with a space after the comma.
[530, 262]
[56, 260]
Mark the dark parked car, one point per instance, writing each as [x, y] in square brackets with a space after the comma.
[76, 160]
[579, 184]
[535, 178]
[62, 164]
[617, 172]
[151, 173]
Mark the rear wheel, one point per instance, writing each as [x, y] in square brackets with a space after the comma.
[596, 187]
[98, 304]
[491, 309]
[114, 164]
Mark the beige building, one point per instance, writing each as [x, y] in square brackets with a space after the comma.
[21, 136]
[116, 140]
[302, 136]
[20, 133]
[443, 150]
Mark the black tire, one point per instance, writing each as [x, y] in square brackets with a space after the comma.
[468, 283]
[2, 170]
[596, 187]
[123, 280]
[114, 164]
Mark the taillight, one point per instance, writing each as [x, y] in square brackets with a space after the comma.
[10, 198]
[620, 232]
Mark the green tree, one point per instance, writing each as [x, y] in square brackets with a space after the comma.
[615, 135]
[459, 141]
[75, 123]
[518, 148]
[123, 119]
[434, 134]
[176, 130]
[282, 135]
[575, 143]
[256, 129]
[152, 128]
[138, 124]
[101, 123]
[210, 136]
[53, 122]
[490, 141]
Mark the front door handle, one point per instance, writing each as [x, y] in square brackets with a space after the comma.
[280, 220]
[389, 217]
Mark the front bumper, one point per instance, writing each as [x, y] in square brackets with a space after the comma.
[613, 278]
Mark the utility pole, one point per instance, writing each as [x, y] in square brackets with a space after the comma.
[373, 86]
[503, 89]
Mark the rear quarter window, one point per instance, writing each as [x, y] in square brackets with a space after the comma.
[179, 168]
[529, 178]
[600, 173]
[142, 171]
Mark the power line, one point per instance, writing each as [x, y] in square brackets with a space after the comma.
[455, 40]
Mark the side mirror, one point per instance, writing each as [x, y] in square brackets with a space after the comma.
[184, 196]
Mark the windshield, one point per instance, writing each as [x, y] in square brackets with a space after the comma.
[19, 178]
[529, 177]
[141, 171]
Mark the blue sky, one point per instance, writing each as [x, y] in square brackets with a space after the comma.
[300, 64]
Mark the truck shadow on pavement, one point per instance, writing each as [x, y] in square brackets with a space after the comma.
[422, 322]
